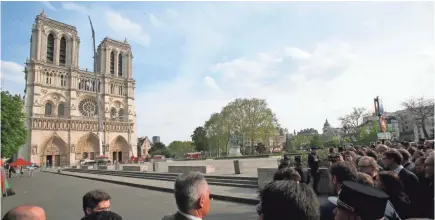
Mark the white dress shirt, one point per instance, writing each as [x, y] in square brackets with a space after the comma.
[398, 169]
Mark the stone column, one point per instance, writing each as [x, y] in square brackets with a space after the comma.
[77, 60]
[56, 50]
[115, 63]
[73, 52]
[38, 43]
[107, 60]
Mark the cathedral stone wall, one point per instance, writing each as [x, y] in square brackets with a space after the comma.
[63, 102]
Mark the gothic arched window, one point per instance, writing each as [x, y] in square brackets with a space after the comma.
[121, 114]
[47, 78]
[62, 51]
[48, 108]
[50, 48]
[113, 113]
[61, 110]
[112, 63]
[120, 65]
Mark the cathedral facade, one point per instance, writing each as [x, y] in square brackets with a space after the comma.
[61, 100]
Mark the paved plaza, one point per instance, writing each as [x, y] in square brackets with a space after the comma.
[61, 197]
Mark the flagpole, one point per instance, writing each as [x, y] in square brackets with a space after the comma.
[97, 89]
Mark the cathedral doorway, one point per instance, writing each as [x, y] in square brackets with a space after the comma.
[88, 147]
[55, 152]
[119, 149]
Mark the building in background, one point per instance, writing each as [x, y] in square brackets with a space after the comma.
[61, 100]
[144, 144]
[410, 130]
[156, 139]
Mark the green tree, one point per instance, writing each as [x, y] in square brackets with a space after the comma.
[199, 138]
[216, 133]
[180, 148]
[352, 122]
[253, 121]
[13, 129]
[160, 149]
[368, 133]
[300, 141]
[315, 141]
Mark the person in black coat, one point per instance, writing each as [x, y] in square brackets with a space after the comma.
[390, 183]
[406, 162]
[313, 164]
[392, 160]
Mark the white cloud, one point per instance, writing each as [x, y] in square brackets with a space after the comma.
[75, 7]
[297, 53]
[155, 21]
[11, 71]
[131, 29]
[48, 5]
[209, 82]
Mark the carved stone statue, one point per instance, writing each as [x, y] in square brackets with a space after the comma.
[233, 147]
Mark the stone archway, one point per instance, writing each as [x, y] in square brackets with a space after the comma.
[88, 147]
[119, 149]
[54, 152]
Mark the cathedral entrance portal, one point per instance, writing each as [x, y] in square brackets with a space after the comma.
[88, 147]
[119, 149]
[55, 152]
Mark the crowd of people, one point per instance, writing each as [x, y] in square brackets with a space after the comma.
[369, 183]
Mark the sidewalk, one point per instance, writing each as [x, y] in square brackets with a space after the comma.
[224, 193]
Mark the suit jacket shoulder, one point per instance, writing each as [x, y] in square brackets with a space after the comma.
[327, 211]
[176, 216]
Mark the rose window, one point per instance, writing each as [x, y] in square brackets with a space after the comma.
[88, 107]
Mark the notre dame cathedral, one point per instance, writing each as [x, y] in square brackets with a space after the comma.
[61, 99]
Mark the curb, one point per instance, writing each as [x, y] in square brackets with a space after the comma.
[171, 178]
[167, 190]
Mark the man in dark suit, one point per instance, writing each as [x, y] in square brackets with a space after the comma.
[313, 163]
[406, 162]
[392, 160]
[192, 196]
[340, 172]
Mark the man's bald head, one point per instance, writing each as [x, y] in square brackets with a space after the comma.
[26, 213]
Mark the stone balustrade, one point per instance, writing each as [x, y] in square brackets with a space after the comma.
[139, 168]
[106, 167]
[202, 169]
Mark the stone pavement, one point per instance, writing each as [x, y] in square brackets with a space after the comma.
[225, 193]
[61, 198]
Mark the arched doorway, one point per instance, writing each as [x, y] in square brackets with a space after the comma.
[88, 147]
[55, 152]
[119, 149]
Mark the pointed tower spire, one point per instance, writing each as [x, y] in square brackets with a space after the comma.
[43, 14]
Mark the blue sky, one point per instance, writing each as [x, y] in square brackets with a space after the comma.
[310, 60]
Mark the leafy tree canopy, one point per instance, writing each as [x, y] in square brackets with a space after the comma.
[180, 148]
[199, 138]
[13, 129]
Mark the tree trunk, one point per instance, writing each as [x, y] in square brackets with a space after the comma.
[423, 127]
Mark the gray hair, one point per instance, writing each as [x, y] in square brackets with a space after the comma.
[188, 190]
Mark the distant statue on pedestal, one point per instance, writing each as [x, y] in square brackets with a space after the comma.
[233, 147]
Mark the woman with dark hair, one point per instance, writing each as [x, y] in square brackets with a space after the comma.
[390, 183]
